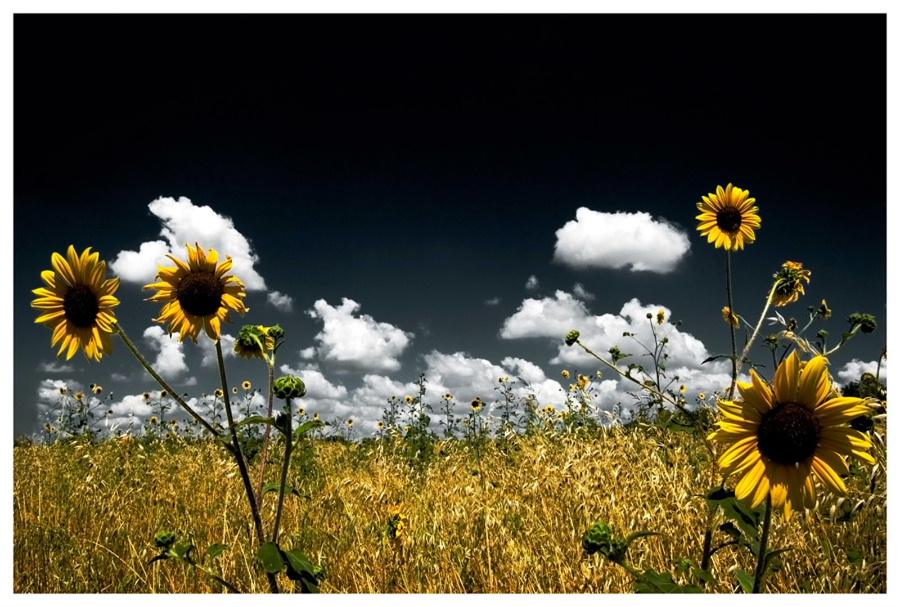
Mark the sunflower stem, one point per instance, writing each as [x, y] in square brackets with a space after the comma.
[165, 386]
[268, 432]
[761, 561]
[241, 462]
[753, 337]
[288, 448]
[734, 362]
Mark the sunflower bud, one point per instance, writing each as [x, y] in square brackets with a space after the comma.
[600, 538]
[866, 322]
[253, 341]
[288, 387]
[572, 337]
[275, 332]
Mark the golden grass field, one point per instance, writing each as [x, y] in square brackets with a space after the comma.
[505, 519]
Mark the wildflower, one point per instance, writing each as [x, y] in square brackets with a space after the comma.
[153, 420]
[77, 303]
[396, 522]
[731, 318]
[789, 283]
[549, 410]
[79, 396]
[682, 388]
[824, 311]
[780, 440]
[253, 341]
[565, 374]
[146, 396]
[583, 381]
[350, 422]
[728, 218]
[218, 393]
[97, 389]
[448, 396]
[173, 423]
[702, 396]
[381, 425]
[234, 390]
[198, 294]
[660, 317]
[504, 379]
[63, 390]
[246, 385]
[408, 399]
[163, 394]
[301, 411]
[316, 416]
[477, 404]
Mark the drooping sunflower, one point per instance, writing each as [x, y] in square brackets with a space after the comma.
[78, 303]
[789, 283]
[731, 318]
[198, 294]
[728, 218]
[782, 439]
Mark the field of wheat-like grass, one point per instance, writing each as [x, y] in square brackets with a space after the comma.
[502, 516]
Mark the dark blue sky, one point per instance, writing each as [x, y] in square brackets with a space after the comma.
[422, 165]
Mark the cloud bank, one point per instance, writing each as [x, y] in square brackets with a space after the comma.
[618, 240]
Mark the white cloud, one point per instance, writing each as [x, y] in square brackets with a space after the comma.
[581, 293]
[170, 352]
[532, 283]
[357, 342]
[55, 367]
[546, 317]
[208, 347]
[852, 370]
[281, 301]
[307, 353]
[618, 240]
[493, 301]
[184, 222]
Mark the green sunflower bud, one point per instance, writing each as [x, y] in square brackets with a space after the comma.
[600, 538]
[275, 332]
[253, 341]
[572, 337]
[288, 387]
[866, 322]
[165, 539]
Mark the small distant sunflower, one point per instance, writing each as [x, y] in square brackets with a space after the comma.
[477, 404]
[448, 396]
[97, 389]
[301, 412]
[728, 218]
[78, 303]
[234, 390]
[549, 410]
[789, 283]
[660, 317]
[198, 294]
[702, 396]
[350, 422]
[824, 311]
[146, 396]
[316, 416]
[583, 381]
[246, 385]
[79, 396]
[408, 399]
[565, 374]
[218, 393]
[731, 318]
[682, 388]
[381, 425]
[781, 439]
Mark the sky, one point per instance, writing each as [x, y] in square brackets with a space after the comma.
[445, 195]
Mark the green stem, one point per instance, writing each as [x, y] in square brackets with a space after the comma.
[268, 432]
[241, 462]
[288, 448]
[753, 337]
[763, 547]
[165, 386]
[734, 363]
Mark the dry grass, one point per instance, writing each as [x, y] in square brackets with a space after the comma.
[509, 522]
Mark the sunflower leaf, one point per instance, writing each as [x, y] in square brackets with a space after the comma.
[270, 557]
[746, 580]
[651, 582]
[716, 496]
[216, 550]
[747, 520]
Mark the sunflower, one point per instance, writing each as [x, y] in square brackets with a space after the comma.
[78, 303]
[728, 218]
[254, 342]
[477, 404]
[246, 385]
[731, 318]
[789, 283]
[781, 439]
[198, 294]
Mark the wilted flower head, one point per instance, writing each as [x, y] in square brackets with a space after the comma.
[253, 341]
[824, 311]
[731, 318]
[660, 317]
[789, 283]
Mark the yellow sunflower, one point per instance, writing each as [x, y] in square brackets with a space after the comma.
[789, 283]
[198, 294]
[731, 318]
[78, 303]
[781, 440]
[728, 218]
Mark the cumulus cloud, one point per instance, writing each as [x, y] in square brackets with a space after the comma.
[581, 293]
[281, 301]
[493, 301]
[852, 370]
[532, 283]
[55, 367]
[169, 352]
[184, 222]
[546, 317]
[208, 347]
[357, 342]
[618, 240]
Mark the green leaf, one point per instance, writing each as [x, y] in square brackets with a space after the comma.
[270, 557]
[717, 357]
[747, 520]
[216, 550]
[730, 530]
[298, 562]
[716, 495]
[181, 551]
[638, 534]
[854, 556]
[682, 565]
[308, 427]
[259, 419]
[703, 574]
[746, 580]
[275, 487]
[661, 583]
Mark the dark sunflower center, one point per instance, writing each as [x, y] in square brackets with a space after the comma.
[789, 433]
[81, 306]
[728, 219]
[200, 293]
